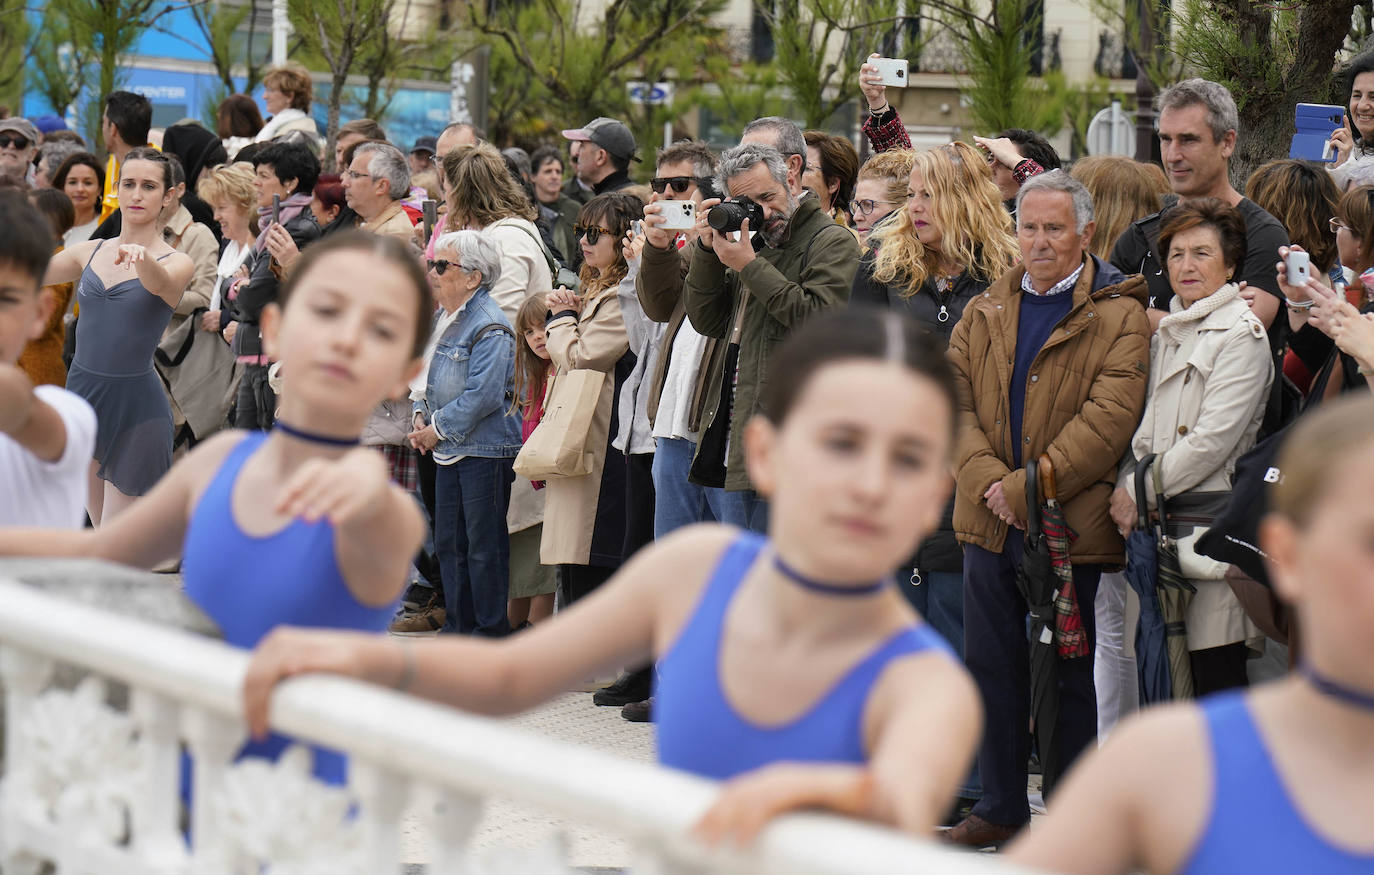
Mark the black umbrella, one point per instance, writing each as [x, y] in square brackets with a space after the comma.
[1151, 654]
[1036, 581]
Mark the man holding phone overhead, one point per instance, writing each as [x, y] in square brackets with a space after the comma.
[1197, 136]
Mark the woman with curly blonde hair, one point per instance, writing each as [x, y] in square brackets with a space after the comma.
[950, 242]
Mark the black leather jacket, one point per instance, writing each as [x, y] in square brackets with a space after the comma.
[938, 312]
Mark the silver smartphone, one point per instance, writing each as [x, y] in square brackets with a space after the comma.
[892, 71]
[678, 215]
[1298, 268]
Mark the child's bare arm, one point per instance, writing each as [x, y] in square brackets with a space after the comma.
[30, 421]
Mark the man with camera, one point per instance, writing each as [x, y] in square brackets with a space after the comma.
[764, 260]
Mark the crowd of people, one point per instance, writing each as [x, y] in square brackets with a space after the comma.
[457, 390]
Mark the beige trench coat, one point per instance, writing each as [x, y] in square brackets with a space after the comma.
[1209, 381]
[595, 339]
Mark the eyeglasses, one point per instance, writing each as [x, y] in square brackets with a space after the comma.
[441, 265]
[591, 232]
[1336, 224]
[680, 184]
[14, 140]
[866, 206]
[355, 175]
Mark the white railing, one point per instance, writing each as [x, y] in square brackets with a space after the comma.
[94, 790]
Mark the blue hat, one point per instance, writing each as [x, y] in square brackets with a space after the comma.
[46, 124]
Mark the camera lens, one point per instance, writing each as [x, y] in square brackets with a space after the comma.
[726, 217]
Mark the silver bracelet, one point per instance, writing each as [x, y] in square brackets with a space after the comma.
[1299, 305]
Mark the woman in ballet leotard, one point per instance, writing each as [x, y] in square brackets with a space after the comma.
[127, 289]
[789, 665]
[299, 525]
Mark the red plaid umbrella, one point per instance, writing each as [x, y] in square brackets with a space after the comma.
[1069, 636]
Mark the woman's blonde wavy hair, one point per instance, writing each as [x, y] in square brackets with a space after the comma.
[976, 230]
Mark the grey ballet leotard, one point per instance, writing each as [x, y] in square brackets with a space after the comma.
[116, 335]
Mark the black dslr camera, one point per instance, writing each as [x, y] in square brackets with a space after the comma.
[730, 215]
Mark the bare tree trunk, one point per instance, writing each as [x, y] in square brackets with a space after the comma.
[1266, 115]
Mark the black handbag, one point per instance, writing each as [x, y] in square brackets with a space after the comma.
[1233, 536]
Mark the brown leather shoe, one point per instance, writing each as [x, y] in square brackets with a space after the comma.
[975, 832]
[422, 622]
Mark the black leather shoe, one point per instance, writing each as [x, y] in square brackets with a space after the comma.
[630, 687]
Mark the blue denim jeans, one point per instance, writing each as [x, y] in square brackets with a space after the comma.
[677, 502]
[744, 509]
[471, 497]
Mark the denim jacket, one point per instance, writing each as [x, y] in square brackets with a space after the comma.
[469, 389]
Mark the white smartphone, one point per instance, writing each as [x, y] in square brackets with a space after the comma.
[678, 215]
[1299, 268]
[892, 71]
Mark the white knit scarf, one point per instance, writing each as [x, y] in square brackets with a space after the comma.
[1182, 319]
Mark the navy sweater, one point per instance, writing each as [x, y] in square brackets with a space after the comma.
[1039, 316]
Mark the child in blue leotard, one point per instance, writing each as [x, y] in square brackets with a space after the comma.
[790, 665]
[299, 525]
[1279, 779]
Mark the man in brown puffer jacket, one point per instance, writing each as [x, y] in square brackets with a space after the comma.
[1053, 358]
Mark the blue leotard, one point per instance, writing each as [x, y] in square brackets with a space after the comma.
[1254, 826]
[699, 731]
[249, 585]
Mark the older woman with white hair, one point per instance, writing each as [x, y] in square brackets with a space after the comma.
[465, 417]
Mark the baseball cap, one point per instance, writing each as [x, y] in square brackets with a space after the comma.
[426, 144]
[609, 134]
[21, 126]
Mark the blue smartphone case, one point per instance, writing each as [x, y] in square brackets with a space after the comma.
[1315, 122]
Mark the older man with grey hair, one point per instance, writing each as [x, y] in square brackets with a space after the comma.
[1197, 136]
[785, 136]
[464, 417]
[375, 183]
[750, 288]
[1052, 362]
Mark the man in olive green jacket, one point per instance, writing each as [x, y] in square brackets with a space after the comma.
[754, 292]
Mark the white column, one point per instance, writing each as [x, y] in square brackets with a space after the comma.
[281, 28]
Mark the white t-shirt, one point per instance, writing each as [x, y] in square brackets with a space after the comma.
[49, 494]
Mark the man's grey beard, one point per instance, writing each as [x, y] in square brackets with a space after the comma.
[775, 231]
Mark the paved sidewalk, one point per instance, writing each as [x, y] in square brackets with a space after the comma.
[572, 719]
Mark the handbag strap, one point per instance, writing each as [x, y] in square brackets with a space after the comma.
[1142, 504]
[174, 360]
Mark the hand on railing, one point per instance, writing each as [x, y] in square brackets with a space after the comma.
[288, 651]
[750, 802]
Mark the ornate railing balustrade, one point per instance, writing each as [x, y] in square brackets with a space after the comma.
[99, 708]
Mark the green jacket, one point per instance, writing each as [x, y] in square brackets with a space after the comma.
[778, 290]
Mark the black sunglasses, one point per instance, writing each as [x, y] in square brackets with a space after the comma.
[680, 184]
[591, 232]
[13, 140]
[442, 265]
